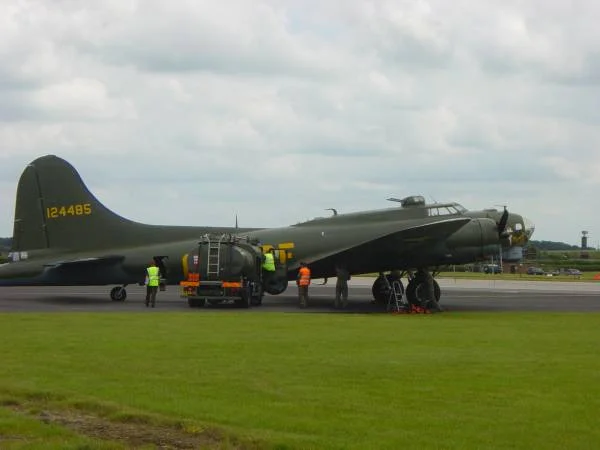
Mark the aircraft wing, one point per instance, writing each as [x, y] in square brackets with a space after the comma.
[406, 239]
[93, 270]
[85, 262]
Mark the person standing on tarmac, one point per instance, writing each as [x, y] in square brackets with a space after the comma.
[153, 276]
[431, 302]
[303, 281]
[341, 287]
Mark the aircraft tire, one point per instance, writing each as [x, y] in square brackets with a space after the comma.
[118, 294]
[413, 288]
[378, 291]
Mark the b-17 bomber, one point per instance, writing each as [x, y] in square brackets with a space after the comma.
[64, 236]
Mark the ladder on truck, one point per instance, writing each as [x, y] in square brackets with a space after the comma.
[213, 262]
[396, 301]
[214, 241]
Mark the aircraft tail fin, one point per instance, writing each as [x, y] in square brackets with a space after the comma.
[54, 209]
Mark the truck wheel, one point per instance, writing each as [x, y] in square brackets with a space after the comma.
[244, 300]
[196, 302]
[256, 300]
[215, 302]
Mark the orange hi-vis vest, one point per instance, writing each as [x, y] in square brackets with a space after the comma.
[304, 279]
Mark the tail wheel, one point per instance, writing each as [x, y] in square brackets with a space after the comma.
[118, 294]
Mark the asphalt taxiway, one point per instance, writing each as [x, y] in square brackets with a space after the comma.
[457, 295]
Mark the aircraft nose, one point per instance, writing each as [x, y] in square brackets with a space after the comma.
[529, 227]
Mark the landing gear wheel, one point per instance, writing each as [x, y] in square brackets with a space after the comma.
[118, 294]
[380, 292]
[196, 302]
[416, 292]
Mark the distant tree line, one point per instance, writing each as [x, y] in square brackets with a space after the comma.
[5, 244]
[551, 245]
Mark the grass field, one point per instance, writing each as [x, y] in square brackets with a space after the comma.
[277, 380]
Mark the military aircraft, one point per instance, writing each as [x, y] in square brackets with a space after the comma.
[64, 236]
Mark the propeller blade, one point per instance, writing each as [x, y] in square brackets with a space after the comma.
[503, 222]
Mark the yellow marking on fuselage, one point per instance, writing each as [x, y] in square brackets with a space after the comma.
[266, 248]
[184, 266]
[73, 210]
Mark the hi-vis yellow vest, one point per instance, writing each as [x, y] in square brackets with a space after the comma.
[269, 264]
[153, 278]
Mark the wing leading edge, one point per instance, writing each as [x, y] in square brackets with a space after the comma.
[393, 244]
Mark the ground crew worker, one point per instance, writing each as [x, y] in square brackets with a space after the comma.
[303, 281]
[341, 287]
[269, 261]
[153, 276]
[430, 300]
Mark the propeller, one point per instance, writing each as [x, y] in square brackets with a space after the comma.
[503, 232]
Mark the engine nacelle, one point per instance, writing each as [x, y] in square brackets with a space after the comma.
[276, 282]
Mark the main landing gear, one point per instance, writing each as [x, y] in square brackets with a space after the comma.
[118, 293]
[416, 291]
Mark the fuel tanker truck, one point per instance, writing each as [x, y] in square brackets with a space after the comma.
[227, 268]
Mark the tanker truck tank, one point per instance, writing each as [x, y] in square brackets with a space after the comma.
[225, 262]
[223, 268]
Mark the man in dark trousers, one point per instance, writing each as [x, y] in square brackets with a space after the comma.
[341, 286]
[153, 277]
[430, 301]
[303, 281]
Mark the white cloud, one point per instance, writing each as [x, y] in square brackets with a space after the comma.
[275, 110]
[81, 99]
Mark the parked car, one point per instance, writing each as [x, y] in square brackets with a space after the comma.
[492, 268]
[535, 271]
[574, 272]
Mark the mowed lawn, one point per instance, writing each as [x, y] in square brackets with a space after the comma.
[452, 380]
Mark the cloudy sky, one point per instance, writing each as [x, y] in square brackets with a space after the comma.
[192, 111]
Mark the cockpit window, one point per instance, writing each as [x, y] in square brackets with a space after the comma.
[445, 210]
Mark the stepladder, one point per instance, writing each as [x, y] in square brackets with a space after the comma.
[397, 302]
